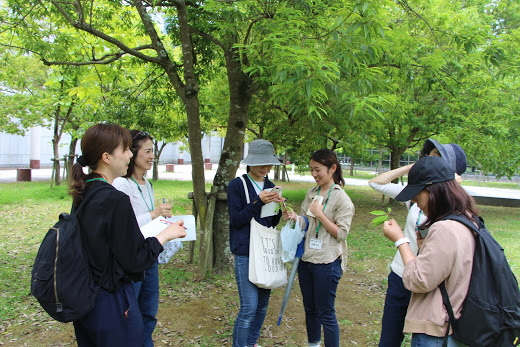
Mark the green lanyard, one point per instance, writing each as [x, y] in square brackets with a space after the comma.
[254, 182]
[96, 179]
[324, 205]
[150, 209]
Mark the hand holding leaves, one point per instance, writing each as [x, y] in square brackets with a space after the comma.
[382, 216]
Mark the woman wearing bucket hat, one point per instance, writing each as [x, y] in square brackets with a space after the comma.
[397, 296]
[445, 253]
[253, 300]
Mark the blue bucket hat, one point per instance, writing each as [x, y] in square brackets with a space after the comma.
[452, 153]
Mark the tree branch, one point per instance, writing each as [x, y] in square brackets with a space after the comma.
[21, 19]
[106, 59]
[81, 25]
[207, 36]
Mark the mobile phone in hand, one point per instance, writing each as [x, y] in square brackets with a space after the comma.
[276, 190]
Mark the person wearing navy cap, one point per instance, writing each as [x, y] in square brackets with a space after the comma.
[397, 296]
[445, 252]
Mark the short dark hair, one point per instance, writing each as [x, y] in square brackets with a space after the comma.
[447, 198]
[138, 137]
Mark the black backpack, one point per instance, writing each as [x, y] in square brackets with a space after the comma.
[61, 276]
[490, 314]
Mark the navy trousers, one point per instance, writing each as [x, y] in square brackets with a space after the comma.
[396, 305]
[114, 321]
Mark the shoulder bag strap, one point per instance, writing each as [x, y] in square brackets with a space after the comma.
[466, 221]
[90, 194]
[245, 189]
[445, 298]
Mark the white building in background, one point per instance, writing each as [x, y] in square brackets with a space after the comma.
[34, 149]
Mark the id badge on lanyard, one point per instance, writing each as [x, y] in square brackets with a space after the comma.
[315, 244]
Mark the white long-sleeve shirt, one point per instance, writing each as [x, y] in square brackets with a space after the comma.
[142, 200]
[412, 219]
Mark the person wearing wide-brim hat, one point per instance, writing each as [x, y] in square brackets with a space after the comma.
[445, 253]
[451, 152]
[253, 300]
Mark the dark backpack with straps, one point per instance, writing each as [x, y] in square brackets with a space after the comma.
[490, 314]
[61, 277]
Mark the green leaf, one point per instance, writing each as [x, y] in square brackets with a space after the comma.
[379, 220]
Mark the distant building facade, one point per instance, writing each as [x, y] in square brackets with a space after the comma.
[34, 149]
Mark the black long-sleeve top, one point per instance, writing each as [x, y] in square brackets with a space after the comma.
[118, 252]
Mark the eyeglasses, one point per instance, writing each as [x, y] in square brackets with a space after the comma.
[141, 134]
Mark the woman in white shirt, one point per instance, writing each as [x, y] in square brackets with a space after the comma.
[140, 190]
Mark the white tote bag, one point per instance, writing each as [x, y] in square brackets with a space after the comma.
[266, 268]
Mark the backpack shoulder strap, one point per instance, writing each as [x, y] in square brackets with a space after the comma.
[449, 309]
[467, 222]
[89, 195]
[245, 189]
[445, 297]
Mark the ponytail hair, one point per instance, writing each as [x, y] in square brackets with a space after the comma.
[328, 158]
[98, 139]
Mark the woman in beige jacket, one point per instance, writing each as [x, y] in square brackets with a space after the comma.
[446, 249]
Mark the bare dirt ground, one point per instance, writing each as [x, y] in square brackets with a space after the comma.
[199, 314]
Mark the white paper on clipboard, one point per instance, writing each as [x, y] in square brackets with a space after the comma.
[160, 223]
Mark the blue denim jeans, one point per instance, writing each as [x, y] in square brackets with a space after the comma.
[423, 340]
[147, 294]
[318, 284]
[253, 306]
[396, 305]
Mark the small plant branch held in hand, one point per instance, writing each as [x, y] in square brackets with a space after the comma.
[382, 216]
[285, 205]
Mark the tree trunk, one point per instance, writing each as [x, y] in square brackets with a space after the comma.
[395, 158]
[188, 91]
[158, 152]
[72, 156]
[240, 94]
[56, 162]
[56, 136]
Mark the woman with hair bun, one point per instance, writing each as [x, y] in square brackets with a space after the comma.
[118, 252]
[328, 212]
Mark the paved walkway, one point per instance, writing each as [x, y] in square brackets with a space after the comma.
[483, 195]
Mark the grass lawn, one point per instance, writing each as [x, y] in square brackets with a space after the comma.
[201, 313]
